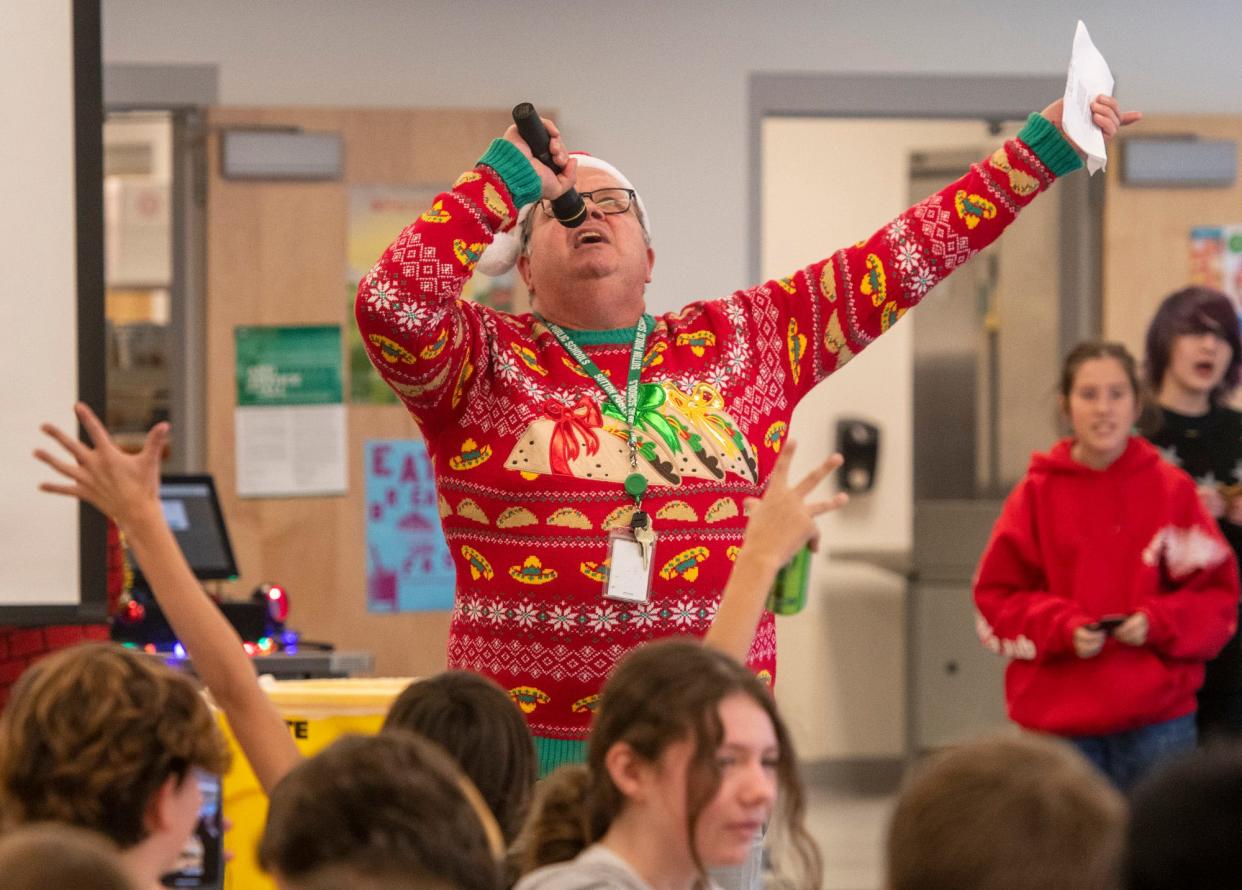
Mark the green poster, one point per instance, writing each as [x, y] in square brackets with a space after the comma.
[282, 366]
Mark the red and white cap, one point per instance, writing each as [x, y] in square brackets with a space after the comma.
[501, 255]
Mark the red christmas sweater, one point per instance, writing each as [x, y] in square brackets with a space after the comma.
[530, 456]
[1074, 544]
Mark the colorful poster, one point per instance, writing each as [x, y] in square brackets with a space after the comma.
[1206, 256]
[409, 568]
[1232, 271]
[1216, 259]
[377, 215]
[289, 423]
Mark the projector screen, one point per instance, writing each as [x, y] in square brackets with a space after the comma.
[52, 551]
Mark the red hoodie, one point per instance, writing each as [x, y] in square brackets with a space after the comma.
[1074, 544]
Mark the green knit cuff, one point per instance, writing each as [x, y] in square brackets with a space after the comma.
[515, 169]
[558, 752]
[1049, 145]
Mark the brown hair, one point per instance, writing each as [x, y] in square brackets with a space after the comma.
[93, 731]
[1015, 812]
[480, 727]
[53, 857]
[1193, 310]
[1184, 820]
[1095, 349]
[375, 806]
[661, 693]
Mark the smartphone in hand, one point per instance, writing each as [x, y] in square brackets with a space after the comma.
[1108, 623]
[201, 863]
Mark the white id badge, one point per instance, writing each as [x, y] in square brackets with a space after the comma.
[629, 580]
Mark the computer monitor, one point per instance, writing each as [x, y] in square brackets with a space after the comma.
[192, 511]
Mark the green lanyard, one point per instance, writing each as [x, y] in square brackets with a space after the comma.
[635, 483]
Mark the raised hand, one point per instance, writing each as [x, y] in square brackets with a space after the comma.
[120, 485]
[1105, 112]
[554, 184]
[780, 523]
[126, 487]
[783, 519]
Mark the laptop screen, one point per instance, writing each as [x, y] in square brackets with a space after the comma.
[192, 511]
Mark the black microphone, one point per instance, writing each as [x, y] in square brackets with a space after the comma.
[569, 209]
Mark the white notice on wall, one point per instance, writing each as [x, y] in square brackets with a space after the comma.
[1089, 77]
[290, 451]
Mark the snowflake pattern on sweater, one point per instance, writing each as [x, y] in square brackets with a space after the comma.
[530, 454]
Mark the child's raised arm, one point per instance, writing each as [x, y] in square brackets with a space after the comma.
[126, 487]
[780, 523]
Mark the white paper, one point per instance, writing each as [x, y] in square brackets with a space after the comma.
[1088, 77]
[289, 451]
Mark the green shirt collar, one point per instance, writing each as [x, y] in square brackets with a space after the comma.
[610, 336]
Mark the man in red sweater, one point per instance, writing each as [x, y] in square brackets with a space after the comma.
[553, 430]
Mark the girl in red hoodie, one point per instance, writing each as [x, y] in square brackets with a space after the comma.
[1105, 582]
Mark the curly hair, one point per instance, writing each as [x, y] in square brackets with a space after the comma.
[92, 732]
[374, 806]
[476, 722]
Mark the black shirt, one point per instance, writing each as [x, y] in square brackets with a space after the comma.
[1208, 447]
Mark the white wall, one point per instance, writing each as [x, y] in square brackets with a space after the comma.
[829, 183]
[38, 298]
[659, 88]
[834, 182]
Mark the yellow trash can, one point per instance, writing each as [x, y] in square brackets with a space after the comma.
[317, 712]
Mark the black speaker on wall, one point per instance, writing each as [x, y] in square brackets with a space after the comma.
[859, 443]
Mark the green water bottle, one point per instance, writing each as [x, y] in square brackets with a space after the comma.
[788, 594]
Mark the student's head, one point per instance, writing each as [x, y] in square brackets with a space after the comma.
[689, 743]
[1184, 820]
[1100, 397]
[378, 808]
[60, 857]
[1193, 344]
[1018, 813]
[476, 722]
[108, 739]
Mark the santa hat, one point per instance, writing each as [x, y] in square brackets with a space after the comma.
[501, 255]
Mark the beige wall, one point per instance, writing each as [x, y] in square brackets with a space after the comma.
[1147, 231]
[276, 255]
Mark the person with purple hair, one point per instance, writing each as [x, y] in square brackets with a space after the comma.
[1193, 365]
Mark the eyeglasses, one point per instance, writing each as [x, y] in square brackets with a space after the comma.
[610, 201]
